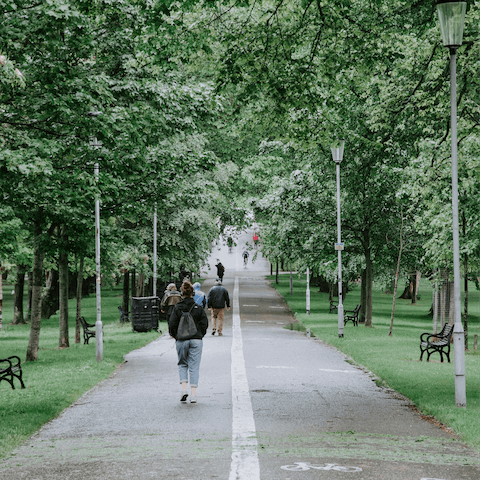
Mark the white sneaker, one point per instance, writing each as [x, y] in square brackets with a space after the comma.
[193, 399]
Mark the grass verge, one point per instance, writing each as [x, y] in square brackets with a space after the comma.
[60, 376]
[395, 360]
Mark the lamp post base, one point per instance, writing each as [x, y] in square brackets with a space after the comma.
[340, 319]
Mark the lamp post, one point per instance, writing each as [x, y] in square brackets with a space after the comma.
[155, 251]
[308, 292]
[337, 154]
[98, 324]
[452, 19]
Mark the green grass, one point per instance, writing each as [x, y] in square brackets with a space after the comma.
[60, 376]
[395, 360]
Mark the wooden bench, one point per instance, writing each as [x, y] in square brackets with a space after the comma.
[10, 368]
[439, 342]
[333, 306]
[123, 316]
[351, 315]
[87, 333]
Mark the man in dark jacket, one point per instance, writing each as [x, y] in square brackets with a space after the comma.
[217, 299]
[220, 270]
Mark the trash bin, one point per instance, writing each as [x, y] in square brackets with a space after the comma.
[144, 313]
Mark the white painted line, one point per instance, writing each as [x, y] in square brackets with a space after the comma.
[254, 321]
[249, 305]
[268, 366]
[271, 306]
[245, 464]
[337, 371]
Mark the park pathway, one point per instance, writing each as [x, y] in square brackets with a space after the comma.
[273, 404]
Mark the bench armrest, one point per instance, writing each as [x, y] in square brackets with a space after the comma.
[6, 360]
[17, 360]
[422, 339]
[429, 336]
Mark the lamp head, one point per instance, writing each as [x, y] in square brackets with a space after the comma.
[452, 20]
[337, 151]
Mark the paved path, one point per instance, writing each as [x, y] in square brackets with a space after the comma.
[272, 405]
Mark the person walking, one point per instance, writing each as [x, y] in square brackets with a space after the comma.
[217, 300]
[189, 352]
[171, 297]
[220, 270]
[199, 297]
[245, 257]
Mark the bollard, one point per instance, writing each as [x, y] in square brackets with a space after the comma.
[475, 340]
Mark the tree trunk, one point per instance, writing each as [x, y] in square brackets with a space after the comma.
[29, 302]
[276, 274]
[50, 300]
[1, 297]
[397, 272]
[134, 288]
[435, 303]
[19, 290]
[79, 300]
[368, 280]
[126, 291]
[413, 287]
[37, 286]
[363, 297]
[368, 290]
[291, 280]
[63, 340]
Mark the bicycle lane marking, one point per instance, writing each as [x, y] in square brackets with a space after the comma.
[245, 463]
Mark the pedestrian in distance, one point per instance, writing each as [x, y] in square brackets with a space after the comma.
[245, 255]
[183, 274]
[217, 300]
[189, 352]
[170, 298]
[230, 244]
[220, 270]
[200, 298]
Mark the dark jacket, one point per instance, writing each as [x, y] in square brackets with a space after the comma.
[220, 269]
[218, 297]
[198, 314]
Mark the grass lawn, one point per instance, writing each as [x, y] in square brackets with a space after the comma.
[60, 376]
[395, 359]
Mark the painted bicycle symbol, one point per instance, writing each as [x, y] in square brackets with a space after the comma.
[304, 466]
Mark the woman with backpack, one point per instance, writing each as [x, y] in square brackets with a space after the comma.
[189, 351]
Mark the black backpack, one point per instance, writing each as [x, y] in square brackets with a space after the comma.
[186, 326]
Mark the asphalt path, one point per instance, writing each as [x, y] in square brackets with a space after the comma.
[273, 404]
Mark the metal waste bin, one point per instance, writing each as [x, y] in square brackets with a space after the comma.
[144, 313]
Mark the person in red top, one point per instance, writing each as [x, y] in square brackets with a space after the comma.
[255, 239]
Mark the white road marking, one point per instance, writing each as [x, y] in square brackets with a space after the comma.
[272, 306]
[254, 321]
[268, 366]
[245, 464]
[249, 305]
[337, 371]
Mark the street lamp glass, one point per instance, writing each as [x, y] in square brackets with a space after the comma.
[452, 20]
[337, 152]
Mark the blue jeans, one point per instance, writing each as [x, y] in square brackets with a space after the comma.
[189, 355]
